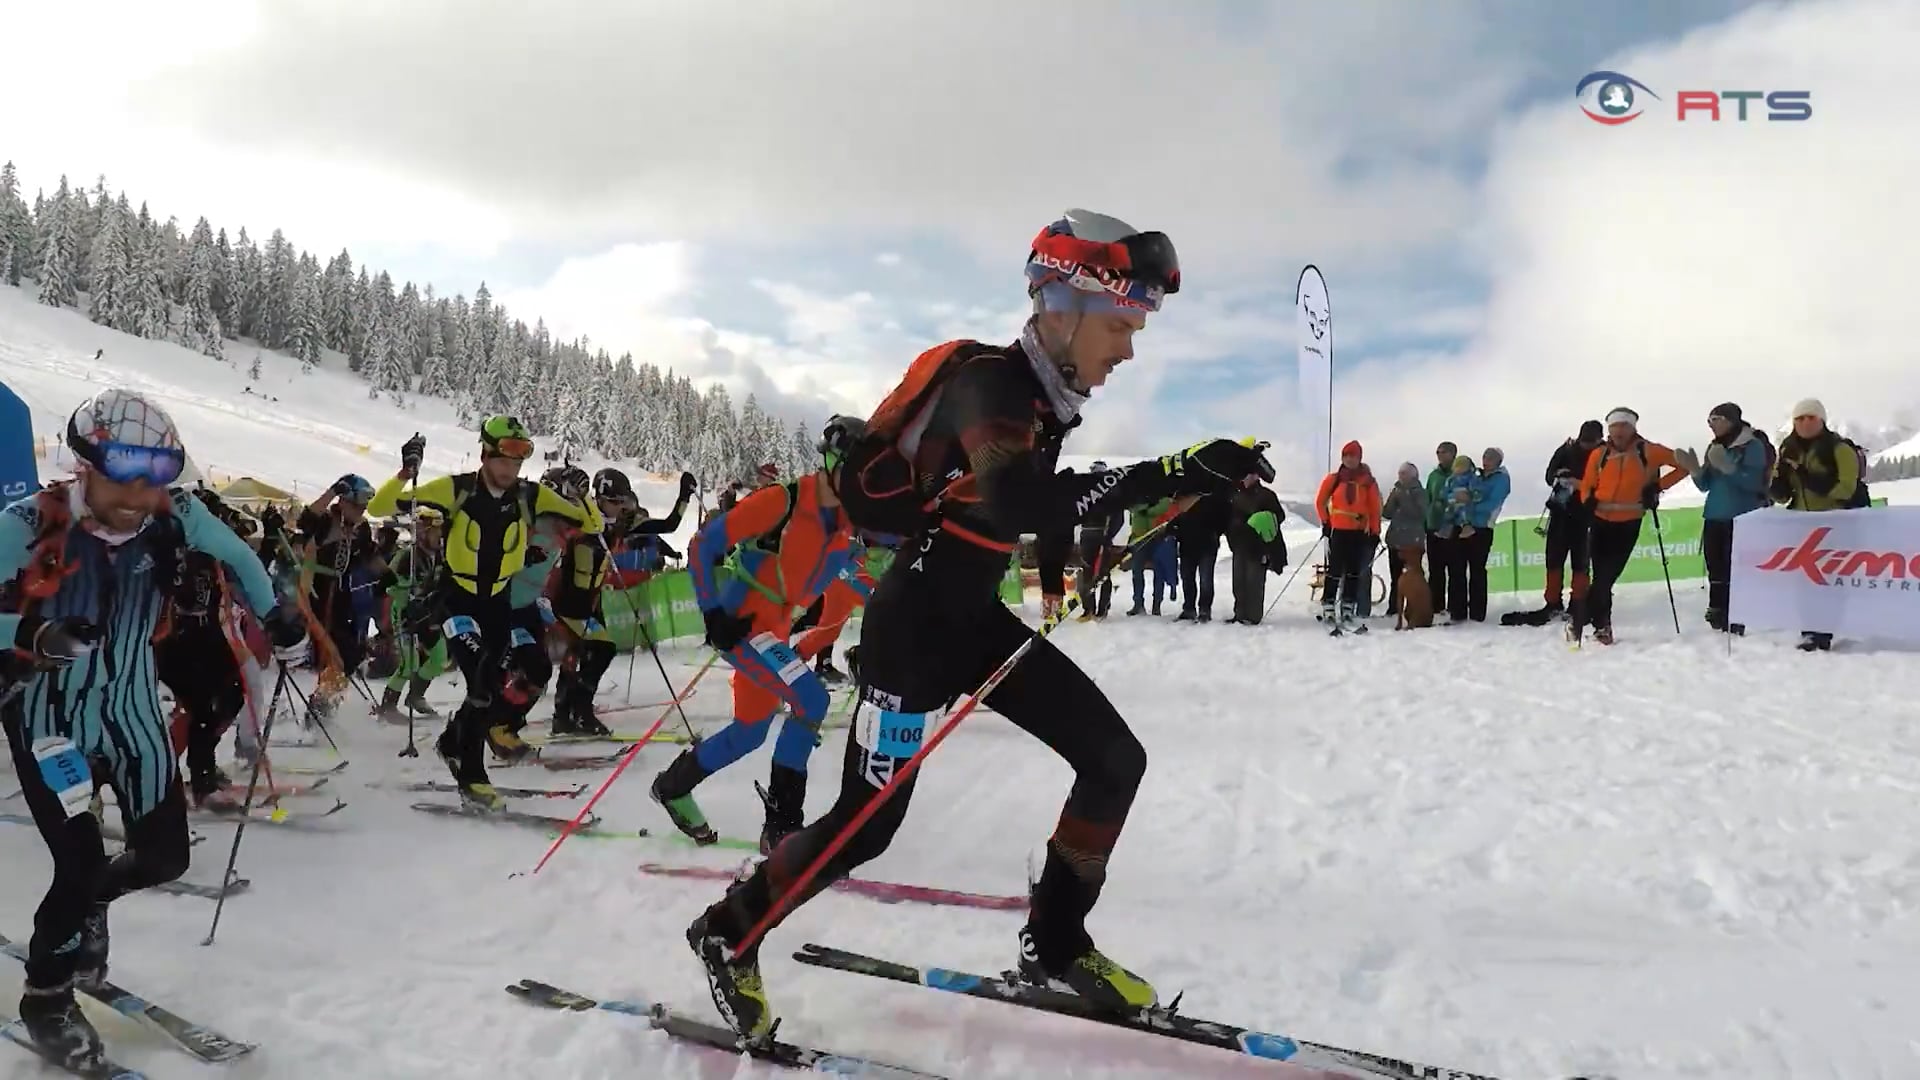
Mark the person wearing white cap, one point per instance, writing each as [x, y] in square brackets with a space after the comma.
[1818, 470]
[1624, 478]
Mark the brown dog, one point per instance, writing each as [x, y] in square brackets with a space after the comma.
[1416, 600]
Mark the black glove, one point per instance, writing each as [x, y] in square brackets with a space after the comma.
[1650, 495]
[725, 631]
[56, 642]
[342, 488]
[1373, 539]
[687, 484]
[284, 630]
[411, 453]
[1326, 530]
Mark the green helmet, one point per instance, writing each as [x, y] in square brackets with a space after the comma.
[506, 436]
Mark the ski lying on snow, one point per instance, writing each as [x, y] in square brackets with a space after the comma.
[293, 770]
[110, 832]
[593, 761]
[887, 892]
[503, 817]
[681, 1026]
[202, 1042]
[619, 737]
[16, 1032]
[268, 815]
[447, 788]
[615, 710]
[1163, 1020]
[235, 886]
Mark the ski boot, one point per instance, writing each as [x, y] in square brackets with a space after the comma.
[565, 721]
[507, 745]
[735, 984]
[683, 776]
[90, 959]
[1204, 616]
[389, 709]
[209, 785]
[829, 674]
[1603, 634]
[587, 722]
[1186, 615]
[1137, 609]
[477, 794]
[55, 1023]
[417, 698]
[1350, 619]
[1089, 975]
[1810, 641]
[785, 797]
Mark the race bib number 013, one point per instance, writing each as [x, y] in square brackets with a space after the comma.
[63, 768]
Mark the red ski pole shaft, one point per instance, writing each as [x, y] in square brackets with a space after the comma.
[625, 760]
[784, 902]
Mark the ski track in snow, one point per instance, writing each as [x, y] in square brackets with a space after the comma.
[1465, 846]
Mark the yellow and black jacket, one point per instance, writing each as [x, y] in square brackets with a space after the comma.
[487, 534]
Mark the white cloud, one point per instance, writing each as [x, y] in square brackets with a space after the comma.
[1671, 266]
[889, 258]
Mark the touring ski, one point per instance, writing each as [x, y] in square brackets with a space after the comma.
[504, 817]
[1161, 1020]
[681, 1026]
[886, 892]
[235, 887]
[16, 1032]
[293, 770]
[445, 787]
[269, 815]
[593, 761]
[618, 737]
[202, 1042]
[110, 832]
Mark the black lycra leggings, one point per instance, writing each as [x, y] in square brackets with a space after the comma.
[913, 663]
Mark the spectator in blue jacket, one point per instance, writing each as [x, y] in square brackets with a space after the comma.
[1735, 473]
[1485, 496]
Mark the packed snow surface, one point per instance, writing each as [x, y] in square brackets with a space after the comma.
[1465, 846]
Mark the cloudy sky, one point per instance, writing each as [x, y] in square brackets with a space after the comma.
[799, 197]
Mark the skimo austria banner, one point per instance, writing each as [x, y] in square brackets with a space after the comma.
[1850, 572]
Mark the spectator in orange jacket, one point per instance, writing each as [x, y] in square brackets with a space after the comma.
[1623, 481]
[1349, 507]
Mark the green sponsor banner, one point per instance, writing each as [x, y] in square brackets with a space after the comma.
[664, 603]
[1518, 561]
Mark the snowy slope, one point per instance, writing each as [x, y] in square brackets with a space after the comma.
[1466, 846]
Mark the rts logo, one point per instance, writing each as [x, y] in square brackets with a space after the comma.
[1615, 99]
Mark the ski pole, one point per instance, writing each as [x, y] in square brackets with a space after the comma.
[786, 898]
[1661, 540]
[246, 807]
[625, 760]
[651, 647]
[409, 644]
[1295, 574]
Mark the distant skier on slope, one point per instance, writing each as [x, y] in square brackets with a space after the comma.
[777, 550]
[490, 514]
[976, 431]
[93, 561]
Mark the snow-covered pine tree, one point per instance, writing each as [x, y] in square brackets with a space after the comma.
[253, 369]
[426, 327]
[359, 318]
[148, 309]
[109, 270]
[226, 301]
[199, 326]
[406, 329]
[16, 228]
[173, 260]
[502, 372]
[306, 333]
[482, 325]
[534, 390]
[277, 268]
[801, 447]
[455, 333]
[59, 244]
[750, 436]
[717, 449]
[336, 294]
[617, 406]
[249, 283]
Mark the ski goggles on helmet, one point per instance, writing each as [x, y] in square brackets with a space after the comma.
[504, 436]
[1136, 273]
[124, 464]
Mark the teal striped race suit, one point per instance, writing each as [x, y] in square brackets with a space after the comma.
[108, 701]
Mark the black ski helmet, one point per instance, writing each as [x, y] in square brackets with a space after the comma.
[569, 481]
[612, 485]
